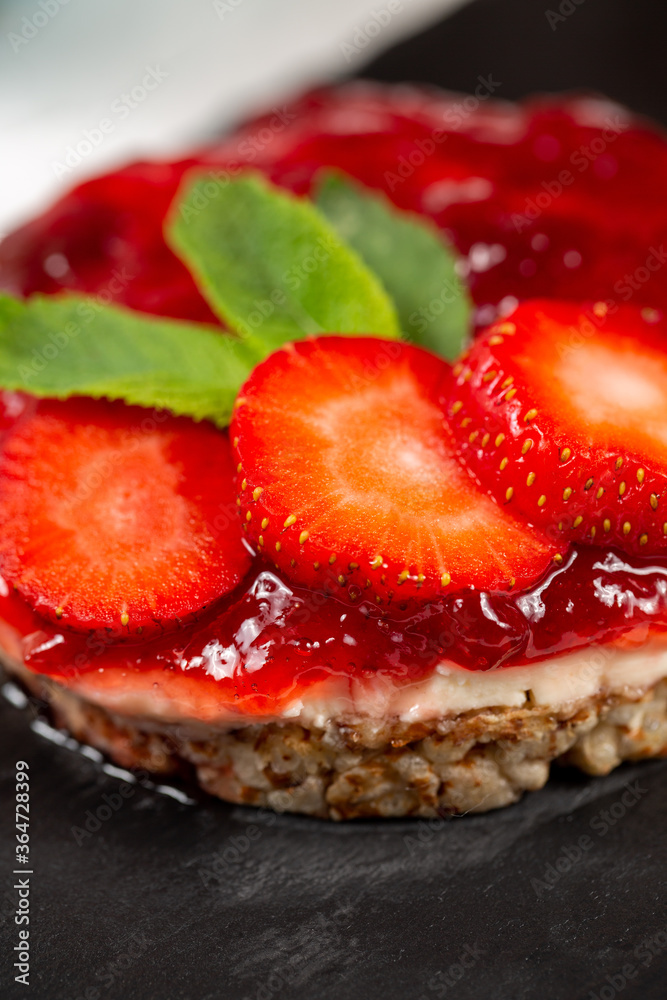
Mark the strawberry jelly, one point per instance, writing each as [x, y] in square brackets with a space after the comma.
[269, 641]
[561, 199]
[543, 199]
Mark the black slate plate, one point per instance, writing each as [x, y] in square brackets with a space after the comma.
[560, 896]
[174, 900]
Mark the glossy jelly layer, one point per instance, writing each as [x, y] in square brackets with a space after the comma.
[267, 643]
[557, 199]
[543, 199]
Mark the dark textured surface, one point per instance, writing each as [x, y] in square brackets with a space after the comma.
[167, 900]
[616, 47]
[201, 902]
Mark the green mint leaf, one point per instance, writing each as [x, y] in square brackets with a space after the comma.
[73, 346]
[271, 266]
[409, 256]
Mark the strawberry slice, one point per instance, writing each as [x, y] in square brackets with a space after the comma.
[347, 480]
[561, 414]
[116, 517]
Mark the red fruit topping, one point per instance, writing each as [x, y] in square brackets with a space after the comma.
[105, 238]
[116, 517]
[561, 413]
[13, 405]
[561, 198]
[270, 642]
[346, 478]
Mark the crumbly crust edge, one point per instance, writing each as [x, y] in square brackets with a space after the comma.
[472, 762]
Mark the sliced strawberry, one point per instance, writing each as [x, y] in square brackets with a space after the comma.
[117, 517]
[347, 480]
[561, 414]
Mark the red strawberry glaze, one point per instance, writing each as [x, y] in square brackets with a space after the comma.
[544, 199]
[269, 642]
[563, 199]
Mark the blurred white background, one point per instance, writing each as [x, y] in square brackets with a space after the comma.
[162, 74]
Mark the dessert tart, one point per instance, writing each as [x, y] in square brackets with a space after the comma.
[333, 465]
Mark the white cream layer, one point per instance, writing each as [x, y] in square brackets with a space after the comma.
[554, 683]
